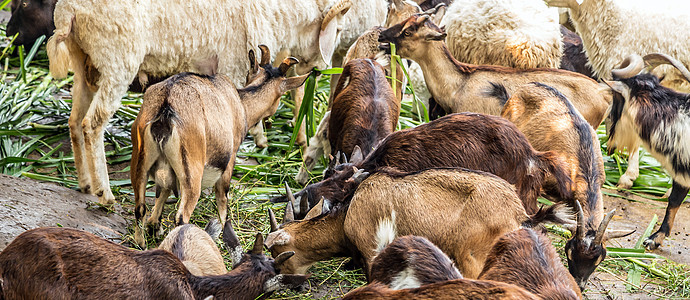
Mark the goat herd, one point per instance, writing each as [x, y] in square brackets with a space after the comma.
[417, 209]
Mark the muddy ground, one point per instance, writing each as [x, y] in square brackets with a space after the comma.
[27, 204]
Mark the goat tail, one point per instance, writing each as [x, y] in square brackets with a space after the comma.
[58, 52]
[162, 124]
[554, 165]
[557, 214]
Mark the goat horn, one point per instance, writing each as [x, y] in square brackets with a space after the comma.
[341, 7]
[654, 60]
[265, 55]
[631, 66]
[303, 206]
[281, 258]
[272, 218]
[286, 64]
[288, 192]
[344, 158]
[289, 213]
[580, 232]
[258, 244]
[337, 158]
[422, 19]
[599, 237]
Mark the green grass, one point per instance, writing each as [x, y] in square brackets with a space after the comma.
[34, 143]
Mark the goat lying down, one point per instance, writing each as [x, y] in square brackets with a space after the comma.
[189, 147]
[432, 203]
[62, 263]
[644, 110]
[522, 264]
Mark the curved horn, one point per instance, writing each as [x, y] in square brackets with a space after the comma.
[654, 60]
[580, 232]
[289, 213]
[281, 258]
[288, 193]
[422, 19]
[341, 7]
[272, 218]
[258, 247]
[599, 237]
[631, 66]
[286, 64]
[265, 55]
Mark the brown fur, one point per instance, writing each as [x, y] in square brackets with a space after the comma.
[447, 290]
[527, 259]
[364, 110]
[62, 263]
[432, 203]
[178, 144]
[459, 87]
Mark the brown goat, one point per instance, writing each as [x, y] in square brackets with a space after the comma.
[62, 263]
[551, 123]
[459, 87]
[188, 131]
[458, 289]
[434, 203]
[527, 259]
[468, 140]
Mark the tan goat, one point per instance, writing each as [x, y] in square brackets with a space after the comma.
[459, 87]
[461, 211]
[188, 131]
[197, 248]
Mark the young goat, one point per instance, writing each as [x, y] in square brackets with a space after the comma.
[459, 87]
[468, 140]
[659, 117]
[191, 146]
[197, 249]
[435, 203]
[551, 123]
[62, 263]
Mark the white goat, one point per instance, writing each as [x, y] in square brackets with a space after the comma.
[513, 33]
[107, 44]
[612, 30]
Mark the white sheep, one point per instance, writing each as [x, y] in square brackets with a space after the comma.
[513, 33]
[107, 44]
[613, 30]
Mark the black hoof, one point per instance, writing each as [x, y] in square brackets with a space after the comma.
[650, 244]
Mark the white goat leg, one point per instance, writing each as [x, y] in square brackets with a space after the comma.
[626, 181]
[257, 133]
[81, 99]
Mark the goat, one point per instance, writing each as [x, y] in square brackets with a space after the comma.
[30, 19]
[609, 35]
[447, 290]
[197, 249]
[467, 140]
[459, 87]
[154, 38]
[188, 147]
[63, 263]
[551, 123]
[433, 203]
[644, 110]
[519, 34]
[574, 58]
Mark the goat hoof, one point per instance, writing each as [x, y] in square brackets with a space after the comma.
[650, 244]
[625, 182]
[139, 237]
[105, 197]
[86, 189]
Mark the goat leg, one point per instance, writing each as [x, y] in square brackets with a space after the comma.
[678, 194]
[626, 181]
[81, 98]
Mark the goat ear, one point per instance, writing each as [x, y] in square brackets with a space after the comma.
[618, 87]
[284, 281]
[439, 12]
[433, 35]
[253, 64]
[316, 210]
[213, 229]
[329, 29]
[265, 55]
[294, 82]
[357, 155]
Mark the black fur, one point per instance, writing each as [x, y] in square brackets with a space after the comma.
[498, 91]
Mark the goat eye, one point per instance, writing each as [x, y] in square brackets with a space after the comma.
[25, 4]
[406, 33]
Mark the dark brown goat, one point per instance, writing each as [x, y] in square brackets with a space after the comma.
[31, 19]
[574, 58]
[447, 290]
[62, 263]
[468, 140]
[364, 110]
[527, 259]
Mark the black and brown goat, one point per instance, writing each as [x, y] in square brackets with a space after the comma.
[459, 87]
[461, 211]
[659, 118]
[551, 123]
[574, 58]
[62, 263]
[363, 112]
[188, 131]
[467, 140]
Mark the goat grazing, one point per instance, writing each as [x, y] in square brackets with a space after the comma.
[154, 38]
[194, 146]
[519, 34]
[31, 19]
[659, 117]
[459, 87]
[446, 290]
[62, 263]
[468, 140]
[613, 30]
[197, 249]
[432, 203]
[551, 123]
